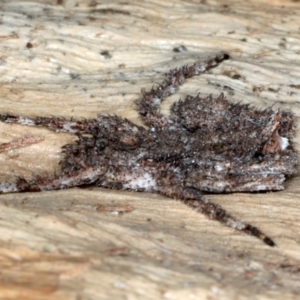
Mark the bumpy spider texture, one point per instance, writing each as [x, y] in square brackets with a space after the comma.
[207, 145]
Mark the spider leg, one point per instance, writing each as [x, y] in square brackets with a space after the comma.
[46, 183]
[53, 123]
[194, 199]
[148, 104]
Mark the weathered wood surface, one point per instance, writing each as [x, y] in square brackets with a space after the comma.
[74, 60]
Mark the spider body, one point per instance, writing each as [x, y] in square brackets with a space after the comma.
[206, 145]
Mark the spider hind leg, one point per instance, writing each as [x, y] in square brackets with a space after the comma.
[194, 199]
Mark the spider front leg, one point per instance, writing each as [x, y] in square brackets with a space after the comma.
[47, 183]
[194, 199]
[148, 104]
[53, 123]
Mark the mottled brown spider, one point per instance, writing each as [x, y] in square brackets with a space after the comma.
[206, 145]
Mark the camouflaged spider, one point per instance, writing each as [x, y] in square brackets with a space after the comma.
[206, 145]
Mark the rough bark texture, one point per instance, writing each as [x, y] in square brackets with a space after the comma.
[77, 58]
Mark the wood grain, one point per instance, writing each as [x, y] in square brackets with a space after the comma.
[78, 58]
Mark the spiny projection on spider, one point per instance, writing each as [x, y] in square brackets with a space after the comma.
[206, 145]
